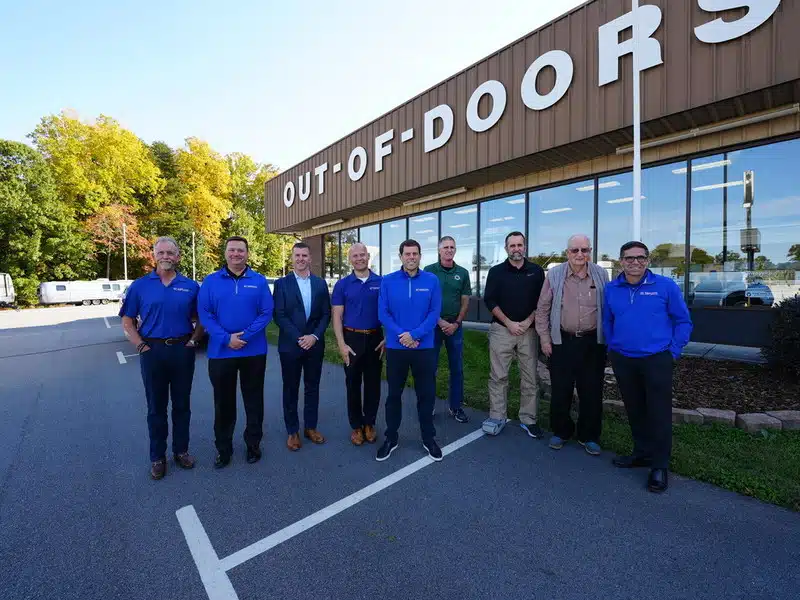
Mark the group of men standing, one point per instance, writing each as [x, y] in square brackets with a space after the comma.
[574, 313]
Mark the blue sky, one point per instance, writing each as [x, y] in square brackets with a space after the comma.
[278, 81]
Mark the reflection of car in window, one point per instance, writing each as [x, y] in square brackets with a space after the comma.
[719, 292]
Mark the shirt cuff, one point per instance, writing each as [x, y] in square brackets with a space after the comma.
[315, 337]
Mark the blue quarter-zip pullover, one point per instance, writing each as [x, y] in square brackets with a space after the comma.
[227, 305]
[409, 304]
[646, 318]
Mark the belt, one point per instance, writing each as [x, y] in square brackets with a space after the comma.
[579, 334]
[168, 341]
[366, 331]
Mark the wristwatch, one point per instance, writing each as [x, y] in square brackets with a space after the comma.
[191, 343]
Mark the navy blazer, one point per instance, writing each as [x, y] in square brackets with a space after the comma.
[290, 316]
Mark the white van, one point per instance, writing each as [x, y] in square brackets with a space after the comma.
[7, 294]
[99, 291]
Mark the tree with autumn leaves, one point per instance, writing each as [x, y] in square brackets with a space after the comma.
[63, 203]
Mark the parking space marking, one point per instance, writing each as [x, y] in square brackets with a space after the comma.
[121, 358]
[213, 570]
[105, 320]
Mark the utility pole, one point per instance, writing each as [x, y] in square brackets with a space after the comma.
[125, 249]
[194, 273]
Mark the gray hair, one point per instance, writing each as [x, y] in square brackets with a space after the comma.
[579, 236]
[446, 238]
[166, 238]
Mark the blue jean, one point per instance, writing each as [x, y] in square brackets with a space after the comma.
[455, 360]
[168, 371]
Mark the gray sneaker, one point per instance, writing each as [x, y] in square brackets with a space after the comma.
[459, 415]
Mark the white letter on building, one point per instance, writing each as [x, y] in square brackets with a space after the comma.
[320, 173]
[359, 152]
[382, 148]
[498, 93]
[562, 63]
[717, 31]
[304, 190]
[445, 113]
[288, 194]
[610, 49]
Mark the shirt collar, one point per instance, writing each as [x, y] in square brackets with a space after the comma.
[228, 273]
[298, 278]
[510, 267]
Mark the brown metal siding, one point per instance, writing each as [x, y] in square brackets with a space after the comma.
[693, 75]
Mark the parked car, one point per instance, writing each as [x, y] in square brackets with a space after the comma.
[8, 296]
[722, 292]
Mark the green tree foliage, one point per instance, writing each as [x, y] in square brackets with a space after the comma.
[39, 237]
[96, 164]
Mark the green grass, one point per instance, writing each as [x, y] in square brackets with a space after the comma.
[765, 466]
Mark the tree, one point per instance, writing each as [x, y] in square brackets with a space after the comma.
[268, 251]
[206, 181]
[96, 164]
[105, 229]
[39, 236]
[794, 253]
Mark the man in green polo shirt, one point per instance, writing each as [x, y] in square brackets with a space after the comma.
[456, 290]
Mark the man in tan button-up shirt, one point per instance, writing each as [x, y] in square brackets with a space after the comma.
[569, 323]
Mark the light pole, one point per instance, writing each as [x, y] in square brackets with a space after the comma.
[125, 249]
[637, 133]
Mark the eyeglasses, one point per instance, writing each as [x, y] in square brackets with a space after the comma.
[581, 250]
[630, 259]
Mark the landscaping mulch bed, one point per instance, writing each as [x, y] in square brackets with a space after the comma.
[726, 385]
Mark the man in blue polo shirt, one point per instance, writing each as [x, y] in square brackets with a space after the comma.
[235, 307]
[646, 325]
[166, 303]
[359, 335]
[409, 306]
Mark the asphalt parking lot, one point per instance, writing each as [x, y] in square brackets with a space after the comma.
[499, 517]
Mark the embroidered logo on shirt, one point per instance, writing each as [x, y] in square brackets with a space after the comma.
[375, 288]
[252, 287]
[457, 277]
[648, 293]
[422, 289]
[177, 289]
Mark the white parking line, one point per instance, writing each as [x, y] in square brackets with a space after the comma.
[105, 319]
[213, 570]
[121, 358]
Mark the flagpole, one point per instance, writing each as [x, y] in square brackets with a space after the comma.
[637, 133]
[125, 249]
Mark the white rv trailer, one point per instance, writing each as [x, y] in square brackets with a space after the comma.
[99, 291]
[7, 294]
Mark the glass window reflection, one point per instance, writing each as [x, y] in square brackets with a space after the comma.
[331, 270]
[425, 229]
[461, 223]
[370, 237]
[393, 234]
[554, 215]
[348, 237]
[498, 219]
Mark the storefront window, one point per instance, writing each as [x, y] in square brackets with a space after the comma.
[554, 215]
[663, 218]
[425, 229]
[498, 219]
[331, 270]
[370, 237]
[746, 227]
[461, 224]
[348, 237]
[393, 234]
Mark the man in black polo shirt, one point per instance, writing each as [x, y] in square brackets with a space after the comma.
[512, 292]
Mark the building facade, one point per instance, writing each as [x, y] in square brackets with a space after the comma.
[538, 138]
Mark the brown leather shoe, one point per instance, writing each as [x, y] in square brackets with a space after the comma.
[293, 443]
[184, 460]
[158, 469]
[314, 435]
[357, 437]
[370, 434]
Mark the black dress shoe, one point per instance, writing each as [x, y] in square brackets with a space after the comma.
[221, 461]
[657, 482]
[629, 462]
[253, 454]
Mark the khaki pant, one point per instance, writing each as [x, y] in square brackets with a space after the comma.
[502, 348]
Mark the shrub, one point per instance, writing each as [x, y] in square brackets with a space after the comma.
[783, 350]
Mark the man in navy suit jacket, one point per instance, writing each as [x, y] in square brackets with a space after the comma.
[302, 313]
